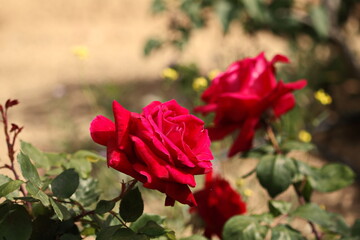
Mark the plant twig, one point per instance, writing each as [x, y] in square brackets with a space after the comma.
[270, 133]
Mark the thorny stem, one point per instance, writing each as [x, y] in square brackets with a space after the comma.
[270, 133]
[10, 147]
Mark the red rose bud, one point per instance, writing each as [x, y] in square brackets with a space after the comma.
[217, 203]
[163, 147]
[242, 94]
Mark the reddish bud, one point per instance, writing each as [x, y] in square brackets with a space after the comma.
[9, 103]
[14, 127]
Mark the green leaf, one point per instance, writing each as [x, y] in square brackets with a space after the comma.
[244, 227]
[275, 173]
[158, 6]
[37, 193]
[278, 208]
[224, 10]
[64, 185]
[330, 221]
[355, 229]
[28, 170]
[194, 237]
[123, 234]
[107, 232]
[131, 206]
[87, 192]
[81, 164]
[296, 145]
[256, 9]
[104, 206]
[152, 45]
[152, 229]
[16, 224]
[9, 187]
[285, 232]
[89, 156]
[61, 212]
[36, 155]
[141, 221]
[331, 177]
[320, 20]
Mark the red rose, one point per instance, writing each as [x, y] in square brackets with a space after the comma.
[163, 147]
[242, 94]
[217, 202]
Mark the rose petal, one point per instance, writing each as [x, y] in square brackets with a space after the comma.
[102, 129]
[122, 118]
[244, 140]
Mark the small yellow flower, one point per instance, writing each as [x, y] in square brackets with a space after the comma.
[248, 192]
[304, 136]
[213, 73]
[199, 83]
[240, 182]
[323, 97]
[322, 206]
[81, 52]
[170, 73]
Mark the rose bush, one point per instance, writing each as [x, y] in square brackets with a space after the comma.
[217, 202]
[163, 147]
[242, 95]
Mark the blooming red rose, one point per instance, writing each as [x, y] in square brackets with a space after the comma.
[242, 94]
[217, 202]
[163, 147]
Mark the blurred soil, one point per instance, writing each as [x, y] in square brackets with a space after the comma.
[56, 89]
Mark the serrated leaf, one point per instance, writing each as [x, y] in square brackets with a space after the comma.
[141, 221]
[87, 192]
[28, 170]
[331, 177]
[131, 206]
[16, 224]
[36, 155]
[9, 187]
[104, 206]
[244, 227]
[330, 221]
[37, 193]
[275, 173]
[285, 232]
[278, 208]
[61, 212]
[152, 229]
[64, 185]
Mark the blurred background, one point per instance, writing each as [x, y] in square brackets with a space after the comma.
[67, 60]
